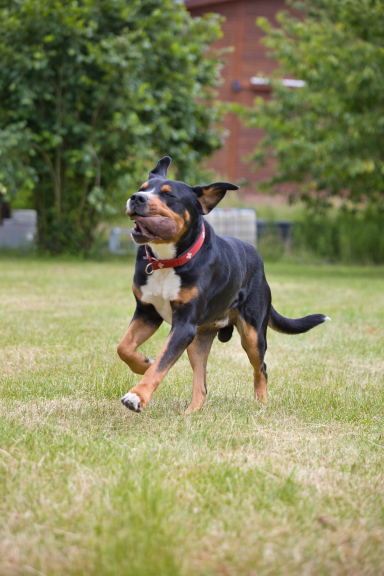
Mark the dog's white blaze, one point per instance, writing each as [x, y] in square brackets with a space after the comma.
[147, 192]
[163, 285]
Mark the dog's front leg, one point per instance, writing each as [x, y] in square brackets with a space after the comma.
[181, 335]
[144, 324]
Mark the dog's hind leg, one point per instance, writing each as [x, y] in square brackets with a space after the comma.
[254, 343]
[198, 352]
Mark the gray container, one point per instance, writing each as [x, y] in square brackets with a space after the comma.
[240, 223]
[20, 230]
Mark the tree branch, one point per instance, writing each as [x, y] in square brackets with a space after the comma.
[82, 200]
[98, 165]
[97, 110]
[48, 162]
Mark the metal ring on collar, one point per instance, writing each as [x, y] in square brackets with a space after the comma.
[146, 269]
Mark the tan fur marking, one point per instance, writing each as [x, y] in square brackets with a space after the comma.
[144, 186]
[185, 295]
[232, 316]
[211, 196]
[182, 231]
[250, 336]
[205, 200]
[158, 208]
[152, 378]
[137, 333]
[137, 292]
[249, 341]
[166, 188]
[261, 388]
[198, 353]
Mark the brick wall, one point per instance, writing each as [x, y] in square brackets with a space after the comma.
[248, 59]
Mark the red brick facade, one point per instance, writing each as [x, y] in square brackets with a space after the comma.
[247, 61]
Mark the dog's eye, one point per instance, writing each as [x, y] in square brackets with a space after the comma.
[169, 194]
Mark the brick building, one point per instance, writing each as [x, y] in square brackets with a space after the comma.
[240, 74]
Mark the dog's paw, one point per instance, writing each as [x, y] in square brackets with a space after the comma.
[132, 401]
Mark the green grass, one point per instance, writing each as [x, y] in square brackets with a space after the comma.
[89, 488]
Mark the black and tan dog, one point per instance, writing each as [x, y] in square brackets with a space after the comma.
[201, 284]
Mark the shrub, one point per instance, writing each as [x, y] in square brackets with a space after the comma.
[350, 237]
[91, 95]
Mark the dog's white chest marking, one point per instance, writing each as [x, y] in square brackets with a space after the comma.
[163, 285]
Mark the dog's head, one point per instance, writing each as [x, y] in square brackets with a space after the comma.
[165, 210]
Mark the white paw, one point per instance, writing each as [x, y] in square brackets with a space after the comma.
[131, 401]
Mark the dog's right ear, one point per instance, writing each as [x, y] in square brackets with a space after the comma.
[160, 171]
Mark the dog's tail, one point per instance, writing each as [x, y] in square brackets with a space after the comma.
[298, 326]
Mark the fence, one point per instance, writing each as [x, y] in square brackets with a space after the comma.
[240, 223]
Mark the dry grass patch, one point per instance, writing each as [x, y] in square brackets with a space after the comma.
[88, 488]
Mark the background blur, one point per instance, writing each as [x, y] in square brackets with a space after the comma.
[284, 99]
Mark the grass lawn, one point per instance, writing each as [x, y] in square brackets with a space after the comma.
[89, 488]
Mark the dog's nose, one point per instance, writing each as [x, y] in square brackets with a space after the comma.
[139, 198]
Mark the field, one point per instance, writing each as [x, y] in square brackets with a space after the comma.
[88, 488]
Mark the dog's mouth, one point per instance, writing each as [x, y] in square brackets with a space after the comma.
[140, 230]
[148, 228]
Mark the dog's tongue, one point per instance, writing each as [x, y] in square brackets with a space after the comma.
[144, 231]
[156, 226]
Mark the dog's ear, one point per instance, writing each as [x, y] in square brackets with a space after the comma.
[160, 171]
[209, 196]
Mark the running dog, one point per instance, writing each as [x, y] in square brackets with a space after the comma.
[200, 283]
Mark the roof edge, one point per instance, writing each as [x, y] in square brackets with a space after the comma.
[199, 3]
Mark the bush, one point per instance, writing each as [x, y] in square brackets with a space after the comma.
[91, 95]
[348, 237]
[269, 245]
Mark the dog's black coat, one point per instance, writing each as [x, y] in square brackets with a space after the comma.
[227, 274]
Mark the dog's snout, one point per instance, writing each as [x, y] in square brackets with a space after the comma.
[139, 198]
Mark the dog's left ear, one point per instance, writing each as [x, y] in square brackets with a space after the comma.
[160, 170]
[209, 196]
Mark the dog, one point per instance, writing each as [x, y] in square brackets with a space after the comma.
[200, 283]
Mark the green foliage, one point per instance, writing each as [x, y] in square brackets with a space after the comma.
[328, 135]
[270, 246]
[350, 237]
[15, 173]
[91, 94]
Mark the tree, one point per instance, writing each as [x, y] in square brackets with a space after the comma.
[92, 93]
[328, 135]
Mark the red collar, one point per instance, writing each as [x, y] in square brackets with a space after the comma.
[174, 262]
